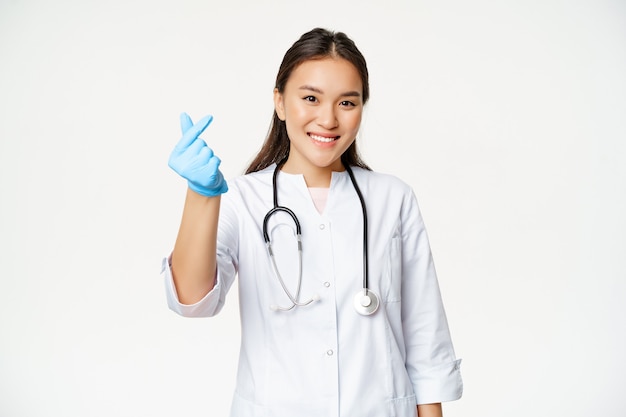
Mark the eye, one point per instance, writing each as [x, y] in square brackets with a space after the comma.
[347, 103]
[310, 99]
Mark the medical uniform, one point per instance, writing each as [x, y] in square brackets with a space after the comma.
[325, 359]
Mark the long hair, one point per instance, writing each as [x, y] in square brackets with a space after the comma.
[316, 44]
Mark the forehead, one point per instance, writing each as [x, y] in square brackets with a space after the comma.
[326, 74]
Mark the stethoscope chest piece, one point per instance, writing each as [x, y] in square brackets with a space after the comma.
[366, 302]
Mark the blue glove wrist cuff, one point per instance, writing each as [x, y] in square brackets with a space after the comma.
[212, 192]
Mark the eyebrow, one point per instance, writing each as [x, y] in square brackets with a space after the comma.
[317, 90]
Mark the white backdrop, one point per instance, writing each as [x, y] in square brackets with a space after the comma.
[507, 117]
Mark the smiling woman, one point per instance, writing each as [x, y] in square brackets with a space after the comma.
[384, 351]
[321, 107]
[314, 46]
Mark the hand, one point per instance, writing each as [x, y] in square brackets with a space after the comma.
[193, 160]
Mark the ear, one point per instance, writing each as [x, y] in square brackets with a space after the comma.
[279, 104]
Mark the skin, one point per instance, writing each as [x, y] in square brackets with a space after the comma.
[194, 256]
[321, 99]
[429, 410]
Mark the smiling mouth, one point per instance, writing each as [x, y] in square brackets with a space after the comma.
[324, 139]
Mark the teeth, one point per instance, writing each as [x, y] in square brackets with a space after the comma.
[322, 138]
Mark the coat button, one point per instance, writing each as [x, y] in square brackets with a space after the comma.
[322, 226]
[329, 352]
[327, 284]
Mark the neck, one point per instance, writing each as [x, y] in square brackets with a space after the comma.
[314, 176]
[321, 180]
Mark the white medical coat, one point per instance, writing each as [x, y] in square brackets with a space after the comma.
[325, 359]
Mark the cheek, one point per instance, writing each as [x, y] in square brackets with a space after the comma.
[352, 120]
[299, 115]
[295, 110]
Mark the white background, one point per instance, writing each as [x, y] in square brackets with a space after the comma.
[507, 117]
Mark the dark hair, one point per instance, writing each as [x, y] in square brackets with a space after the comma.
[316, 44]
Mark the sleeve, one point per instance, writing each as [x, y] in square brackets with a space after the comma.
[227, 264]
[430, 359]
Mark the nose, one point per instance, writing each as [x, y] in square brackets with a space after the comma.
[327, 117]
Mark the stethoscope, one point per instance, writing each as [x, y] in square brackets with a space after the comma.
[365, 301]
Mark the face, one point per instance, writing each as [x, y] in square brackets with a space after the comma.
[321, 105]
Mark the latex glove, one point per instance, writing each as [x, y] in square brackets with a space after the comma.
[193, 160]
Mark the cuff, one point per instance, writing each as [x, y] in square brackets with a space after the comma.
[208, 306]
[439, 384]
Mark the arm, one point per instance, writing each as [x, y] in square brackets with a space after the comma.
[430, 359]
[429, 410]
[194, 256]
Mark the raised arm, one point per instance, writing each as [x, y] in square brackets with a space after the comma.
[193, 259]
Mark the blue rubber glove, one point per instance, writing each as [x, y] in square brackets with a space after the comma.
[193, 160]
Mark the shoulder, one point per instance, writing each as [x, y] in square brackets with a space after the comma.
[256, 180]
[247, 193]
[397, 196]
[380, 180]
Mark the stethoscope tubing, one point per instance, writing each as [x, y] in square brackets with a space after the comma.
[365, 232]
[365, 303]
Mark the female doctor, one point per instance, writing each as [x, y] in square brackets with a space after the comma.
[341, 313]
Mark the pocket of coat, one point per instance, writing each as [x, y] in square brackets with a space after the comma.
[394, 271]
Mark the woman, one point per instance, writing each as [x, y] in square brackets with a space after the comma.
[350, 325]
